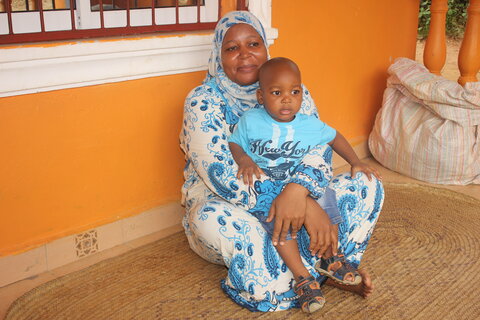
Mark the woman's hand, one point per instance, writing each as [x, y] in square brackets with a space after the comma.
[365, 168]
[288, 210]
[246, 169]
[323, 234]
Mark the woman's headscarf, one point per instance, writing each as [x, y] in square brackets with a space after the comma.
[239, 98]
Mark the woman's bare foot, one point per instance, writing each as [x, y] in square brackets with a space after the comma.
[364, 288]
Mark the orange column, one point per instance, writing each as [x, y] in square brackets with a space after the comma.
[435, 51]
[469, 55]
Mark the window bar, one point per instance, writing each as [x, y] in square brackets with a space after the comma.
[27, 5]
[198, 10]
[72, 14]
[242, 5]
[153, 13]
[128, 13]
[42, 19]
[54, 5]
[8, 8]
[102, 18]
[177, 18]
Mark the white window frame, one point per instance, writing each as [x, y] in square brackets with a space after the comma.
[32, 69]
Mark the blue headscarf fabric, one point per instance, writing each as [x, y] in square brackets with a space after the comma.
[239, 98]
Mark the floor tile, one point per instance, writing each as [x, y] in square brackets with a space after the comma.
[23, 265]
[15, 290]
[154, 236]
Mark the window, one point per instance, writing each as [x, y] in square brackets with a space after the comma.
[40, 67]
[39, 20]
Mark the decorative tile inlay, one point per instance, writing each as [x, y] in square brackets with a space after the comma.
[59, 252]
[86, 243]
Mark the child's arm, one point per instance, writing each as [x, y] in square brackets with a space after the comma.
[341, 146]
[246, 167]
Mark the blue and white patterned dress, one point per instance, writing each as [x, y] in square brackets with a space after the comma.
[217, 224]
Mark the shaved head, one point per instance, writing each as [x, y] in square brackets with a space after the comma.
[276, 64]
[280, 89]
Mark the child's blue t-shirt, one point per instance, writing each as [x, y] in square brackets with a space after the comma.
[276, 147]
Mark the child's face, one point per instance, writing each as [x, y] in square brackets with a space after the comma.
[281, 92]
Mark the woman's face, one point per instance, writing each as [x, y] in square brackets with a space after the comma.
[243, 53]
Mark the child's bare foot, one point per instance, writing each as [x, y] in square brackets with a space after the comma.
[364, 288]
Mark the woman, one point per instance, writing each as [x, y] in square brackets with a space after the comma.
[217, 224]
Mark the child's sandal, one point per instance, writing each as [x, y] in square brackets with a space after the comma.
[310, 298]
[337, 269]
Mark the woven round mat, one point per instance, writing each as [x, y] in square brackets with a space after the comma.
[423, 257]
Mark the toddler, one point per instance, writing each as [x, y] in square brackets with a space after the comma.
[272, 141]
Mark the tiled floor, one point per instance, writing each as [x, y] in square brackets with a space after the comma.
[9, 293]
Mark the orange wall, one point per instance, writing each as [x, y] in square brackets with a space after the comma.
[79, 158]
[343, 49]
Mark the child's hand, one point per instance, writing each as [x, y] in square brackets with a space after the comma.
[246, 169]
[365, 168]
